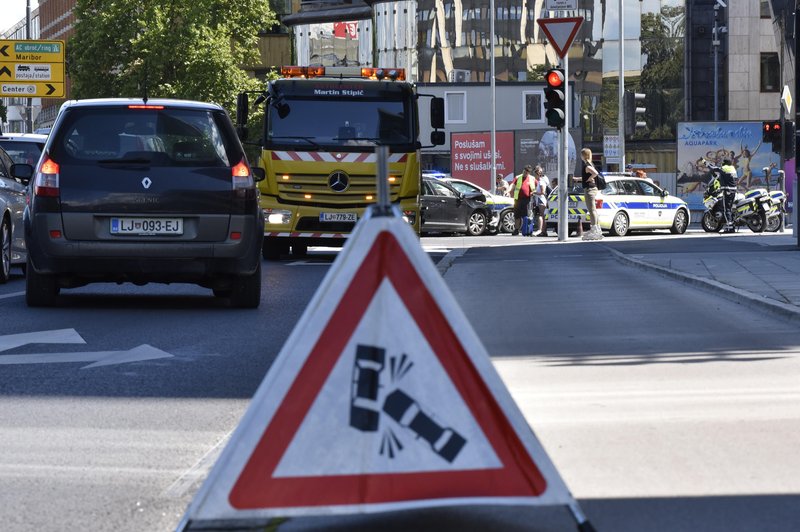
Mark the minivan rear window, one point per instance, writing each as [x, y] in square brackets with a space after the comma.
[158, 137]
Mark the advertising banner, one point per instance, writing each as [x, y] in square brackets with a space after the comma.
[700, 143]
[471, 156]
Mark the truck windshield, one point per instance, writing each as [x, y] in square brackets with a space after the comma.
[340, 125]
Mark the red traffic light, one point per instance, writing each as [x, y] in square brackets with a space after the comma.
[555, 78]
[771, 131]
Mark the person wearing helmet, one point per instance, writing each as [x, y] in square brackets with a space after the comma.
[728, 180]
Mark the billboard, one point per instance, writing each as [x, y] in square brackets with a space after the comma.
[471, 156]
[701, 142]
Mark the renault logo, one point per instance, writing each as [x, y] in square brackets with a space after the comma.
[146, 182]
[338, 181]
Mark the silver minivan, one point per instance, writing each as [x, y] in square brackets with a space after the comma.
[12, 206]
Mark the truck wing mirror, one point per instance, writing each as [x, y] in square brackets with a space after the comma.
[437, 113]
[437, 138]
[242, 108]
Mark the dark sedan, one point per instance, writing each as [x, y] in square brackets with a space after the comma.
[446, 210]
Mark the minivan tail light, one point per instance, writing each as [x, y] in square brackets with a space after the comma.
[46, 183]
[242, 178]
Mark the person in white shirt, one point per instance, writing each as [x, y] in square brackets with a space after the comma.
[540, 199]
[501, 186]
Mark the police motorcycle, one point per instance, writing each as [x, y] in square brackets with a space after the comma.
[749, 208]
[777, 211]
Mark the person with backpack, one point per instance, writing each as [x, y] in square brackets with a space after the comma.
[540, 198]
[522, 190]
[589, 179]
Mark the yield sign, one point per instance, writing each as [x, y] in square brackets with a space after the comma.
[560, 32]
[382, 398]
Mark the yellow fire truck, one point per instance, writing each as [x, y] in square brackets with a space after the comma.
[321, 126]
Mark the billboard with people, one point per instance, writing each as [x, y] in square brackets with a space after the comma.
[701, 143]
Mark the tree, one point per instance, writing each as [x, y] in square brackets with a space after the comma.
[191, 49]
[663, 36]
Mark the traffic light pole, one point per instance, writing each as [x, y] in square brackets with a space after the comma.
[563, 160]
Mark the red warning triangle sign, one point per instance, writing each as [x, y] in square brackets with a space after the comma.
[560, 32]
[382, 398]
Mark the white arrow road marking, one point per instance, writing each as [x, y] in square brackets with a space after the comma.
[61, 336]
[12, 294]
[99, 358]
[307, 263]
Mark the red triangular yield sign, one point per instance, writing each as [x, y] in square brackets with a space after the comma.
[560, 32]
[382, 398]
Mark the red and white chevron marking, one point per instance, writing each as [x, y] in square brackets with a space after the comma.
[334, 157]
[306, 235]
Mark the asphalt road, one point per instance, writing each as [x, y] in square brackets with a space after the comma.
[663, 408]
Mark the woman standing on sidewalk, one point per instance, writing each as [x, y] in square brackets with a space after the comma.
[588, 179]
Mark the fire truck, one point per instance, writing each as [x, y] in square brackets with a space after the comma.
[321, 128]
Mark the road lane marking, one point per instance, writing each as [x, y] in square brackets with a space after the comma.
[197, 472]
[12, 294]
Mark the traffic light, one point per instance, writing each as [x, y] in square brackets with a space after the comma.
[771, 132]
[634, 112]
[789, 133]
[555, 98]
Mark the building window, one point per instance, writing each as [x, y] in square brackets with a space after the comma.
[455, 107]
[770, 72]
[765, 11]
[532, 107]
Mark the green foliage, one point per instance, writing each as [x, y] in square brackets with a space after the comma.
[537, 72]
[190, 49]
[3, 113]
[662, 76]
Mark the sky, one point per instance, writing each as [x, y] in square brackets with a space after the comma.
[12, 11]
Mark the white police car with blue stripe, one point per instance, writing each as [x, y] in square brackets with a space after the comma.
[627, 203]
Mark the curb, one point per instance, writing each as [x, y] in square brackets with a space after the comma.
[789, 312]
[447, 261]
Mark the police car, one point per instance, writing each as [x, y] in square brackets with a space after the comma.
[627, 203]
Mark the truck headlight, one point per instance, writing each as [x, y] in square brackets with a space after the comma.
[277, 216]
[410, 217]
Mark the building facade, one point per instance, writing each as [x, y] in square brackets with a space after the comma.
[692, 59]
[22, 113]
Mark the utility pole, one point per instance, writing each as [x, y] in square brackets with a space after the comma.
[29, 106]
[621, 114]
[715, 44]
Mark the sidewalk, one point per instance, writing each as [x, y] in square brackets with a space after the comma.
[768, 277]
